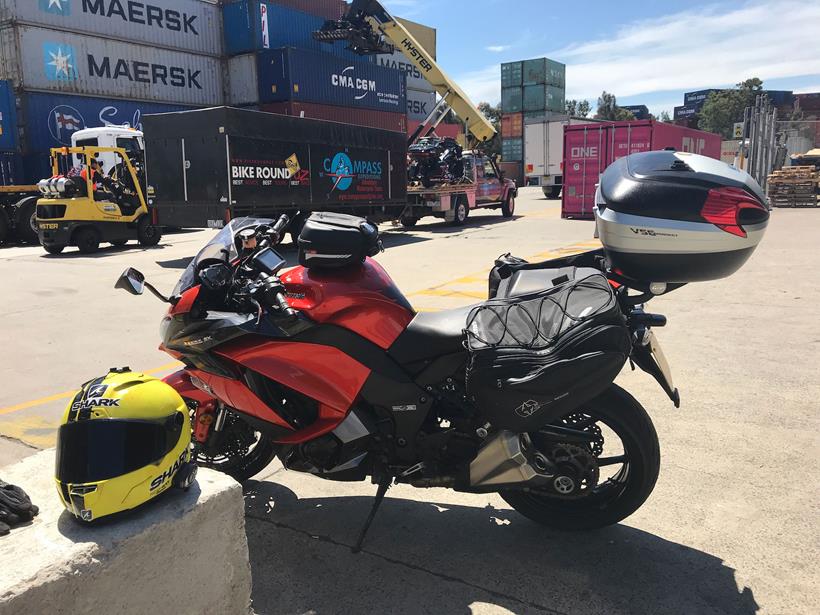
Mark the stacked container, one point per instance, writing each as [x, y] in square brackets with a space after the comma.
[533, 90]
[275, 65]
[74, 65]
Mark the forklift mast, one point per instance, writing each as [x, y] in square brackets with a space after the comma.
[370, 29]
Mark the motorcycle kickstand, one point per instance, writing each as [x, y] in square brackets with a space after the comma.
[384, 485]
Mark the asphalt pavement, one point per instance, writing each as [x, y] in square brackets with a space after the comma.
[732, 526]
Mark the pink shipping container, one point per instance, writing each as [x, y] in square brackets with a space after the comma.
[346, 115]
[590, 148]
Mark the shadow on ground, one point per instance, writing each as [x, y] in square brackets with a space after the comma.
[422, 557]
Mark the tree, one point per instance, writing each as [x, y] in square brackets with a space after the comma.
[576, 108]
[493, 146]
[723, 108]
[608, 109]
[664, 116]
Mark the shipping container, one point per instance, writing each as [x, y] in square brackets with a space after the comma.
[51, 119]
[328, 9]
[512, 100]
[591, 148]
[641, 112]
[454, 131]
[544, 152]
[398, 61]
[543, 71]
[809, 102]
[8, 117]
[539, 117]
[210, 165]
[697, 99]
[512, 150]
[370, 118]
[242, 80]
[308, 76]
[544, 97]
[685, 111]
[729, 151]
[189, 25]
[780, 98]
[38, 59]
[419, 104]
[512, 74]
[512, 125]
[251, 25]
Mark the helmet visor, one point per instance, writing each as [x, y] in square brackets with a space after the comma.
[99, 449]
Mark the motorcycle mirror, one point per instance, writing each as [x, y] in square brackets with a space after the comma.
[131, 281]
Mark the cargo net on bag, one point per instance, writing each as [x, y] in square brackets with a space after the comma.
[536, 321]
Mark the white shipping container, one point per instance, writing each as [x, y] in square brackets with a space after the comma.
[398, 61]
[191, 25]
[39, 59]
[420, 104]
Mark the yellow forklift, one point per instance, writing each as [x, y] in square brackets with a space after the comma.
[83, 204]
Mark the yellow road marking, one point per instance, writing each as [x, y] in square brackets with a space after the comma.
[69, 394]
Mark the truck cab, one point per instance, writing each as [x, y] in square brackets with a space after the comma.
[113, 137]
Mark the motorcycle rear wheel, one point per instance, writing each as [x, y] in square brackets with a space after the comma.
[616, 498]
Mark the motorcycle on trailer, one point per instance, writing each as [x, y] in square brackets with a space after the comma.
[327, 366]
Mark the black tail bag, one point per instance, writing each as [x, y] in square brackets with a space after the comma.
[536, 357]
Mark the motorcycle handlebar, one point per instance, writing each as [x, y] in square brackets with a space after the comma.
[278, 229]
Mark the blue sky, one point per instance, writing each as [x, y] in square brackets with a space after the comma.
[644, 51]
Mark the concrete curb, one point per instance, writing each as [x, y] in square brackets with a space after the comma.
[185, 553]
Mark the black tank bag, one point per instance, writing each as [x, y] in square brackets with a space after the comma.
[536, 357]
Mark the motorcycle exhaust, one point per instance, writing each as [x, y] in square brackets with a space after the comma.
[510, 459]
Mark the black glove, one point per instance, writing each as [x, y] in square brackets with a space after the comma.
[15, 507]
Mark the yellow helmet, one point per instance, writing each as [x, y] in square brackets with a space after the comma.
[124, 439]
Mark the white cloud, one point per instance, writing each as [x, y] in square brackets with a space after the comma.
[689, 50]
[809, 89]
[497, 48]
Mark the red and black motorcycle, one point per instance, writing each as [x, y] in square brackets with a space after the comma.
[327, 366]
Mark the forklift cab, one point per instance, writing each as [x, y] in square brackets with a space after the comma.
[82, 208]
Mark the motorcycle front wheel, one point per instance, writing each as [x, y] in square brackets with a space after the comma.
[618, 470]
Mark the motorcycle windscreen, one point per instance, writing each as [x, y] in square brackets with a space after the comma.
[100, 449]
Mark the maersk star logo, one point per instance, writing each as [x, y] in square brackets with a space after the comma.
[59, 62]
[58, 7]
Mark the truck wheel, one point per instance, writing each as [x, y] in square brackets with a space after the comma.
[148, 234]
[409, 222]
[54, 249]
[462, 211]
[554, 192]
[25, 220]
[4, 226]
[87, 240]
[508, 206]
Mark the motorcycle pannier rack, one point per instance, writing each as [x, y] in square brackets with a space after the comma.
[677, 217]
[538, 356]
[333, 241]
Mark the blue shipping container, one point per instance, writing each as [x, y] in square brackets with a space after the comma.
[251, 25]
[51, 119]
[308, 76]
[8, 117]
[11, 169]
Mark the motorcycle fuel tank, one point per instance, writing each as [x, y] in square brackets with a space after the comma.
[670, 216]
[362, 299]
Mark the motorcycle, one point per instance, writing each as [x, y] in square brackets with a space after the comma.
[333, 373]
[435, 160]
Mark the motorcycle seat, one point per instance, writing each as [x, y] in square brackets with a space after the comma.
[430, 335]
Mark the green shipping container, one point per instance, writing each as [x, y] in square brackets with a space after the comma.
[511, 74]
[512, 150]
[555, 98]
[535, 72]
[511, 100]
[556, 74]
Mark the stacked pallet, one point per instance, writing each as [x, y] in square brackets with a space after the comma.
[794, 187]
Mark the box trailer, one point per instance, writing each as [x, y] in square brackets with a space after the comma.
[544, 153]
[591, 148]
[208, 166]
